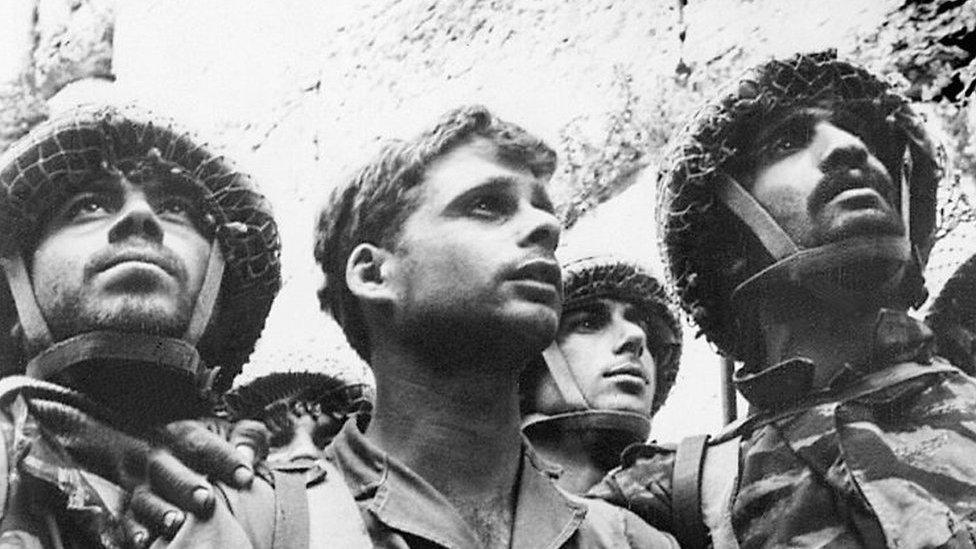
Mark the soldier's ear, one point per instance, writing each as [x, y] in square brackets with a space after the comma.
[367, 273]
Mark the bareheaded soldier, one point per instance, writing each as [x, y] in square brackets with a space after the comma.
[796, 216]
[952, 318]
[300, 411]
[614, 361]
[439, 265]
[141, 267]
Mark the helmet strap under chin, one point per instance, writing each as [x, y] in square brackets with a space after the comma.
[566, 382]
[48, 359]
[207, 298]
[813, 268]
[37, 335]
[581, 415]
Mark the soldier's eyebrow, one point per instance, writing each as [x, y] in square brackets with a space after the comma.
[796, 118]
[102, 184]
[171, 186]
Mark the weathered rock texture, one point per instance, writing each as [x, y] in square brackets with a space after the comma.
[300, 92]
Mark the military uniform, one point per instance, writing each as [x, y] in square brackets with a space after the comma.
[64, 450]
[400, 509]
[878, 455]
[883, 459]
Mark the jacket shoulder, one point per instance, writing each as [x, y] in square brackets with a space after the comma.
[606, 525]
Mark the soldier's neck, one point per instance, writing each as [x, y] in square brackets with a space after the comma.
[799, 326]
[573, 451]
[454, 423]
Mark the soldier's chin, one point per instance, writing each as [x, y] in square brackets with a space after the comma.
[139, 316]
[878, 223]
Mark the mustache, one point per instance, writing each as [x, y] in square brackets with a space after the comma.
[840, 180]
[156, 255]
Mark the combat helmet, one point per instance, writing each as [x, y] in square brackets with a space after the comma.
[719, 244]
[268, 398]
[952, 317]
[243, 274]
[584, 281]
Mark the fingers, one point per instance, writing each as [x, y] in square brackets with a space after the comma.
[251, 439]
[159, 517]
[137, 535]
[207, 453]
[179, 485]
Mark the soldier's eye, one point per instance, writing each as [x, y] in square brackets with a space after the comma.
[489, 205]
[178, 208]
[789, 141]
[582, 322]
[86, 205]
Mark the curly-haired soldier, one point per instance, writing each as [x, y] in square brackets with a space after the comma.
[439, 265]
[614, 361]
[796, 215]
[141, 267]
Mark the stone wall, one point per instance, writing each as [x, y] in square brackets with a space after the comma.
[302, 91]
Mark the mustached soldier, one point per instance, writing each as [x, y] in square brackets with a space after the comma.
[614, 361]
[141, 267]
[796, 215]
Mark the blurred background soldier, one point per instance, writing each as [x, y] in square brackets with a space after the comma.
[301, 411]
[141, 267]
[952, 317]
[614, 361]
[797, 214]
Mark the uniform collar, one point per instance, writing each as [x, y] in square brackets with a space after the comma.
[897, 338]
[402, 500]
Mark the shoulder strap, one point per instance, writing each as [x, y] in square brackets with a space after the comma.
[687, 516]
[291, 510]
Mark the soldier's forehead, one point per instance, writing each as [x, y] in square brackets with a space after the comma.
[153, 183]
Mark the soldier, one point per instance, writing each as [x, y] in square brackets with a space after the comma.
[614, 361]
[301, 411]
[141, 268]
[439, 265]
[796, 216]
[953, 318]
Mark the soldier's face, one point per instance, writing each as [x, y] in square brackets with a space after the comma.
[820, 182]
[123, 256]
[477, 255]
[605, 343]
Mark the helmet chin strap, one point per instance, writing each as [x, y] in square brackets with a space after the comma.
[582, 415]
[51, 359]
[811, 268]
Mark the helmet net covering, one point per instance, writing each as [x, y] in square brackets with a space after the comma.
[335, 395]
[592, 278]
[707, 250]
[952, 317]
[59, 156]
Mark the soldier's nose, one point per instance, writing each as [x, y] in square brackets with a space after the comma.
[136, 219]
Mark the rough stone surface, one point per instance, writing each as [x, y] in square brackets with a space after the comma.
[301, 92]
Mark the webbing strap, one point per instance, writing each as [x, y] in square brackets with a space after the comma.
[749, 211]
[31, 320]
[688, 525]
[888, 377]
[174, 353]
[719, 479]
[564, 378]
[209, 291]
[291, 510]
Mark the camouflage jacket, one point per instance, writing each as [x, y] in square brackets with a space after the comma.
[885, 458]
